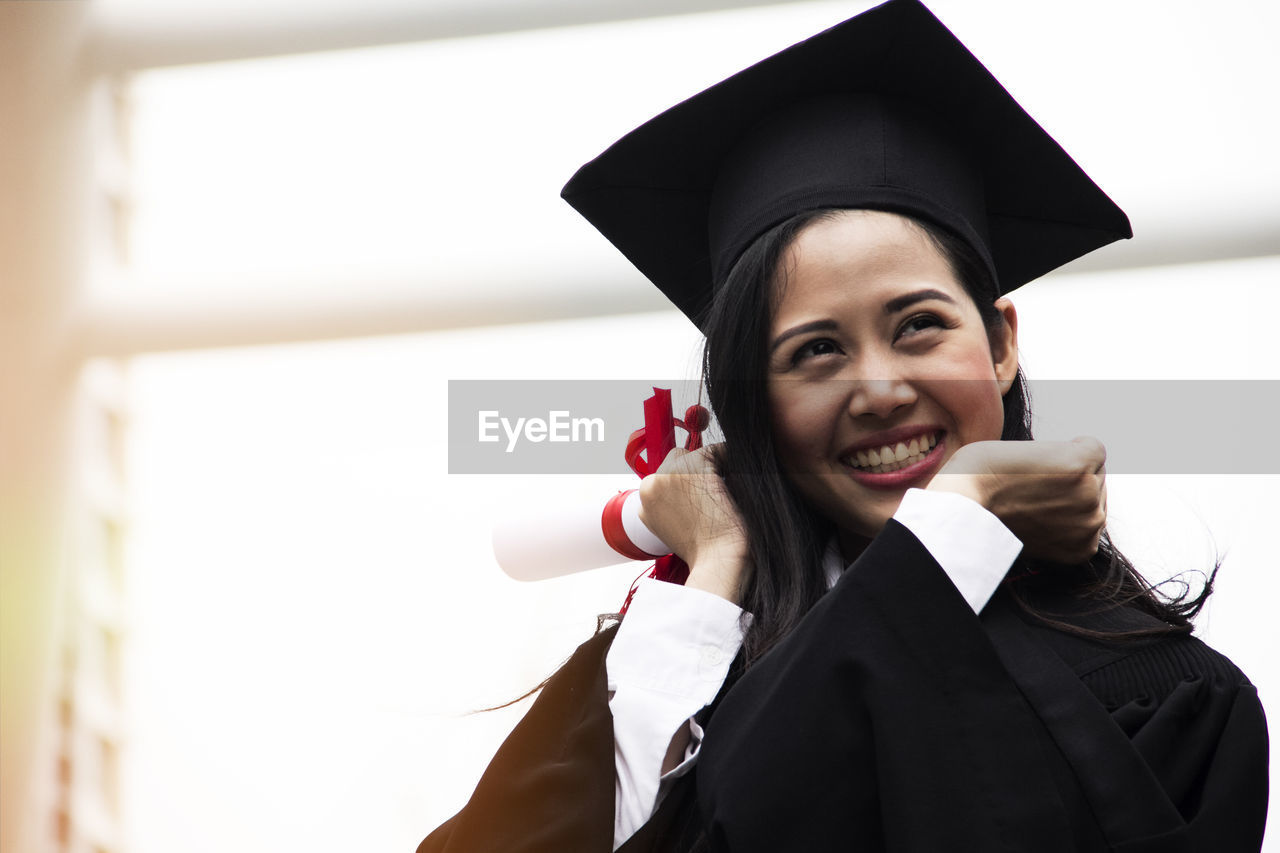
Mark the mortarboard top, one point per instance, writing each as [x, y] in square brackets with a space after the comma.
[887, 110]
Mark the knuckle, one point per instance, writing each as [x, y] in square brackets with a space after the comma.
[650, 488]
[1088, 442]
[1092, 452]
[677, 462]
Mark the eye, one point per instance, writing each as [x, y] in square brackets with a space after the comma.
[919, 323]
[815, 348]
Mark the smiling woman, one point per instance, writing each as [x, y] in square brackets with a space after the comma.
[904, 627]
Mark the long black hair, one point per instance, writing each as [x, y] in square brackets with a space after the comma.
[786, 538]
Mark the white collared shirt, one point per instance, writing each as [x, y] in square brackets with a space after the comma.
[673, 650]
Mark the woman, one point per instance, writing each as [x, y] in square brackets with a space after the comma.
[942, 650]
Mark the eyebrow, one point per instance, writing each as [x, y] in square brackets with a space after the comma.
[893, 306]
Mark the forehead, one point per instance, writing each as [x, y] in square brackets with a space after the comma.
[857, 260]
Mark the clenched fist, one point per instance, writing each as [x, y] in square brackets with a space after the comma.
[1051, 494]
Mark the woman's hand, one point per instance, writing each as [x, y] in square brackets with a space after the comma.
[1051, 494]
[686, 505]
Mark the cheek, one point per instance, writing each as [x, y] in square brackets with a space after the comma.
[975, 406]
[968, 390]
[985, 416]
[804, 418]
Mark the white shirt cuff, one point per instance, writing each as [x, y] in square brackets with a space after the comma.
[675, 640]
[973, 547]
[668, 660]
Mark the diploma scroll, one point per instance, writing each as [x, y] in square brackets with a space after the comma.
[567, 539]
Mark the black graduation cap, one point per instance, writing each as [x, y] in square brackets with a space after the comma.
[887, 111]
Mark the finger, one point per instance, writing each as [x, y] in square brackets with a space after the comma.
[689, 462]
[1093, 546]
[717, 454]
[672, 464]
[1095, 451]
[715, 451]
[702, 461]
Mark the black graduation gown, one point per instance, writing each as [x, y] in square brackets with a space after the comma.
[894, 719]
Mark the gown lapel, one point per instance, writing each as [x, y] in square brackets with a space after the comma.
[1124, 796]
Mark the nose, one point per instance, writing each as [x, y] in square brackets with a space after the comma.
[879, 390]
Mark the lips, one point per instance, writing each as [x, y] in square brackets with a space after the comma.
[894, 455]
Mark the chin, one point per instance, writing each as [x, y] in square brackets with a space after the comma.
[835, 507]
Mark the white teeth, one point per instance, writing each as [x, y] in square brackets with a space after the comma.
[884, 459]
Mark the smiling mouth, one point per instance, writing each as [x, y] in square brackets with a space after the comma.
[889, 458]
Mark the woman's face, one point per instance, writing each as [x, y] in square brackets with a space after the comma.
[879, 366]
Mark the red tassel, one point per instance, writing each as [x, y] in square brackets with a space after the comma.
[658, 438]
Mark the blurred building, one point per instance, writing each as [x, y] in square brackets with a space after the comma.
[90, 728]
[64, 444]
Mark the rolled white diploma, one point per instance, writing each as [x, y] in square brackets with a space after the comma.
[561, 540]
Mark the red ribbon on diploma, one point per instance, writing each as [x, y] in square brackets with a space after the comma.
[656, 439]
